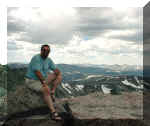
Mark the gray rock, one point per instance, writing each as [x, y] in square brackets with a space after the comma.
[24, 99]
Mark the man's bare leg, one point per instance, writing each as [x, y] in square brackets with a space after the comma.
[49, 102]
[55, 83]
[47, 99]
[51, 77]
[54, 80]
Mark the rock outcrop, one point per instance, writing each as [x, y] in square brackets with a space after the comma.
[26, 107]
[23, 99]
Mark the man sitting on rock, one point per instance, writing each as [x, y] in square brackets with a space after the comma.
[39, 76]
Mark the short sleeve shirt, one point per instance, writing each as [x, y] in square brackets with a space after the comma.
[37, 63]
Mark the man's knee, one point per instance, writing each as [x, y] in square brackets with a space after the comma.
[51, 77]
[59, 78]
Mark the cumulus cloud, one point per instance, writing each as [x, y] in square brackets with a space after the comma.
[97, 21]
[76, 35]
[39, 25]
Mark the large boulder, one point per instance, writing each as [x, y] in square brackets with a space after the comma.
[24, 99]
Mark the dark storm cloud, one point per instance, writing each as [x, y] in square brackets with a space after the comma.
[97, 21]
[14, 26]
[136, 37]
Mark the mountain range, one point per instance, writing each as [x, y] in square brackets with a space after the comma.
[93, 69]
[81, 79]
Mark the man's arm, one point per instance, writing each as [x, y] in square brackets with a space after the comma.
[39, 75]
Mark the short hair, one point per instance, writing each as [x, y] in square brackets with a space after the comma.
[45, 46]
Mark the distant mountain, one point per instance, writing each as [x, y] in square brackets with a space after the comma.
[93, 69]
[17, 65]
[114, 67]
[102, 69]
[80, 75]
[74, 75]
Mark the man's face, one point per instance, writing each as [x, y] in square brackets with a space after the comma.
[45, 52]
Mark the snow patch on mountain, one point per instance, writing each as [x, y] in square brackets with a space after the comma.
[78, 80]
[105, 89]
[79, 87]
[126, 82]
[91, 76]
[66, 86]
[135, 77]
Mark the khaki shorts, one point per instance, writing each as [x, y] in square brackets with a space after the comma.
[34, 84]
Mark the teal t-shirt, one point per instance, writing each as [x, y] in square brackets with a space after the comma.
[37, 63]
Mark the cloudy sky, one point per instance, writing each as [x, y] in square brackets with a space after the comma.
[76, 35]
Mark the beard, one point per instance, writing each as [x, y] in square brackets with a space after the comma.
[44, 56]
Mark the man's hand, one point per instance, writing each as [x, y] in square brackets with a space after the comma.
[44, 85]
[57, 72]
[39, 75]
